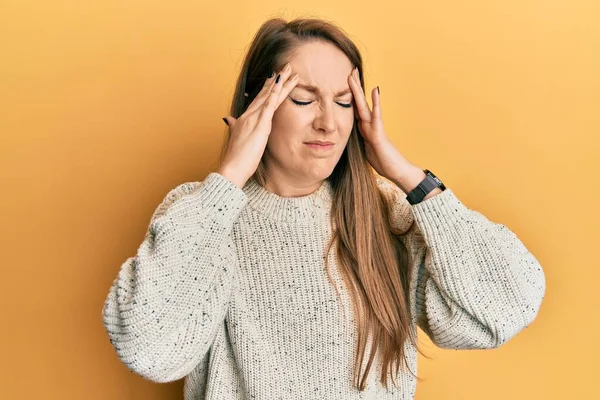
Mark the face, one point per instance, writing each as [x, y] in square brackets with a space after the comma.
[322, 113]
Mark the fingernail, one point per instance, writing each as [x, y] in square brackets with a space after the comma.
[378, 92]
[225, 120]
[272, 73]
[277, 80]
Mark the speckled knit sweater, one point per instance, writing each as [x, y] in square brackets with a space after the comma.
[229, 290]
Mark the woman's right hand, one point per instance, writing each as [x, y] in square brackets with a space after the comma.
[250, 132]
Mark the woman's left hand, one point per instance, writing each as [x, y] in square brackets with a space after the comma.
[381, 152]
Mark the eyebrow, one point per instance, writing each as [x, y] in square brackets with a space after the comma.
[314, 89]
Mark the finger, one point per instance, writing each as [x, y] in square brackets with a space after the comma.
[377, 117]
[362, 106]
[260, 102]
[230, 121]
[288, 86]
[262, 95]
[278, 91]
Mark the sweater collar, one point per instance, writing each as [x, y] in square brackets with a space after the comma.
[290, 209]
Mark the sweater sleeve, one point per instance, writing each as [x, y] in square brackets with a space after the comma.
[167, 302]
[475, 284]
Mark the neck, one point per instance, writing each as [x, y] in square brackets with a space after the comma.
[285, 185]
[292, 205]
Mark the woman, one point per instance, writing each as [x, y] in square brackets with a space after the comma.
[294, 271]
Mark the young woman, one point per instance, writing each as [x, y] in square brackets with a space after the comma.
[302, 267]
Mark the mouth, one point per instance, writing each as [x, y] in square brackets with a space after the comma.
[318, 145]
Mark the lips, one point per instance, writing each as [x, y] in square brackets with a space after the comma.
[318, 146]
[320, 143]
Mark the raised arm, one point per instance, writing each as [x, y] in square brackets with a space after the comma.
[164, 307]
[475, 283]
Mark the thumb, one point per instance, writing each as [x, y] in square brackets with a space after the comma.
[229, 121]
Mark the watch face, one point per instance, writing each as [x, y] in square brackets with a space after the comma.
[436, 179]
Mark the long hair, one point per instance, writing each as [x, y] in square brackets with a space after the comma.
[373, 260]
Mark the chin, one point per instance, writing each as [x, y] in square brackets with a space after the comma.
[321, 174]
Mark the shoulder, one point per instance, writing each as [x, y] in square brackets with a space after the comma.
[175, 194]
[179, 191]
[182, 189]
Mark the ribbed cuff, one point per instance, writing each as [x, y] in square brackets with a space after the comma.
[439, 212]
[221, 198]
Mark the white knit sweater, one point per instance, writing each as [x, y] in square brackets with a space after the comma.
[229, 290]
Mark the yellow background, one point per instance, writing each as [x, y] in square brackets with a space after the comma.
[107, 105]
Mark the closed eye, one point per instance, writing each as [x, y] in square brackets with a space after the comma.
[305, 103]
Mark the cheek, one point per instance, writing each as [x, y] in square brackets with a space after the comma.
[288, 115]
[289, 125]
[285, 129]
[346, 124]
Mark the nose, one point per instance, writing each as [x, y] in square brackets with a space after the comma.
[325, 120]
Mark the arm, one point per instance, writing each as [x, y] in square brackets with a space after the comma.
[163, 309]
[475, 284]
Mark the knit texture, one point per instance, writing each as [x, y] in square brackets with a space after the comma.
[229, 289]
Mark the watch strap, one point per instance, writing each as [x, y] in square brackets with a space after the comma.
[427, 185]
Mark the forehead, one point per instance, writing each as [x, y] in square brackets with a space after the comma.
[322, 65]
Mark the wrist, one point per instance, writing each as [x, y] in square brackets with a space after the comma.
[234, 178]
[409, 177]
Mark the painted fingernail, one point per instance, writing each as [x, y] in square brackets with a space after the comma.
[378, 92]
[272, 74]
[225, 120]
[277, 80]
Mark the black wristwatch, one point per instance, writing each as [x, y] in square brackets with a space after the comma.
[427, 185]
